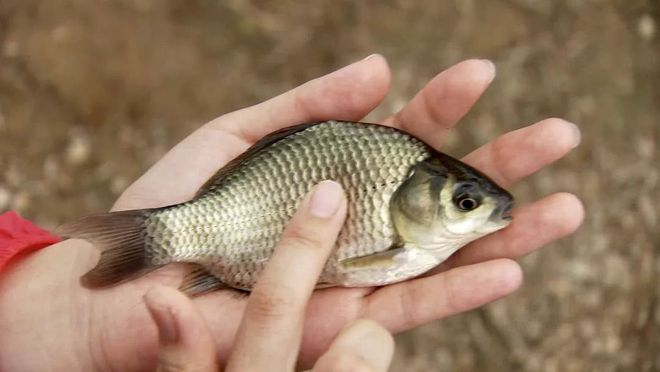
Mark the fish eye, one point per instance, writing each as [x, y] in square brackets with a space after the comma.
[466, 202]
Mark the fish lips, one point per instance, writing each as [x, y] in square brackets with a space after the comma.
[503, 211]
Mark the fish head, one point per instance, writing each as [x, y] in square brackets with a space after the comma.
[444, 204]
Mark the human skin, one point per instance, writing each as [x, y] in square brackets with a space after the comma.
[268, 338]
[50, 322]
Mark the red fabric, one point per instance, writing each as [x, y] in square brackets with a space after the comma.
[18, 235]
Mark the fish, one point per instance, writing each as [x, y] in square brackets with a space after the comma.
[409, 208]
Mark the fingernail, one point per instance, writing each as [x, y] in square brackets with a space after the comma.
[368, 340]
[162, 315]
[326, 198]
[577, 135]
[491, 68]
[348, 67]
[370, 56]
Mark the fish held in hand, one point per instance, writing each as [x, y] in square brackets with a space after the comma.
[409, 208]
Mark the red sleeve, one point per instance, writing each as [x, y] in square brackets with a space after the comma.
[18, 235]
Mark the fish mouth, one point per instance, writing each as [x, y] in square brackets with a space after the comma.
[503, 212]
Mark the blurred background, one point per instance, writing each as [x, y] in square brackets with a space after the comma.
[94, 92]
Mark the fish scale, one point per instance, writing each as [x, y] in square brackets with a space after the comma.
[252, 206]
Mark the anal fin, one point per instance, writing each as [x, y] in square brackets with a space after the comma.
[324, 285]
[380, 259]
[199, 281]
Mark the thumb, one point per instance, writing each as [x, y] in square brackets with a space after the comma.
[185, 342]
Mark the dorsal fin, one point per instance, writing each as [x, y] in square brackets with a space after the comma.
[251, 151]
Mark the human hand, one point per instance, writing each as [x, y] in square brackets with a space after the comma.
[270, 332]
[111, 329]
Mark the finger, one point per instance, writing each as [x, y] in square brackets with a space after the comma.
[346, 94]
[533, 226]
[185, 342]
[412, 303]
[349, 93]
[363, 345]
[517, 154]
[269, 335]
[444, 101]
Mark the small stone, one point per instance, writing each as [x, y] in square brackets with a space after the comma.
[78, 150]
[646, 27]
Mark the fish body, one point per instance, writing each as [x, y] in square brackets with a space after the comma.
[409, 208]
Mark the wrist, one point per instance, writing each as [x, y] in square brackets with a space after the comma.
[42, 328]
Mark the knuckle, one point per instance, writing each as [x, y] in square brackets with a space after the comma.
[430, 105]
[302, 101]
[298, 237]
[169, 365]
[409, 301]
[500, 161]
[454, 301]
[269, 303]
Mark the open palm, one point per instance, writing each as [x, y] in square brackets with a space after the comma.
[50, 322]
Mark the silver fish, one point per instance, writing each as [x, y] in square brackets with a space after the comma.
[409, 208]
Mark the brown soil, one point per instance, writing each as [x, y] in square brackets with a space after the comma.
[93, 92]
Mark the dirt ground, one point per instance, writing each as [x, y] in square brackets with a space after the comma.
[94, 92]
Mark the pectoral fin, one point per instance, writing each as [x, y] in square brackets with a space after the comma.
[199, 281]
[380, 259]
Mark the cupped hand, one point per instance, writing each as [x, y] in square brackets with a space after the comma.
[270, 332]
[48, 320]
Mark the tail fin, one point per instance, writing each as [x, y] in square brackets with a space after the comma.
[121, 238]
